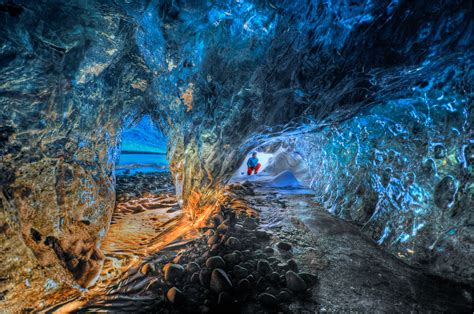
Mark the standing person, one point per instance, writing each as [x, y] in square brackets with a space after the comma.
[253, 164]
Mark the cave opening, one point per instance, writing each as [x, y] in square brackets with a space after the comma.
[143, 148]
[282, 165]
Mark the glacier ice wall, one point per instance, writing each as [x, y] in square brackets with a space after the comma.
[403, 170]
[376, 97]
[69, 79]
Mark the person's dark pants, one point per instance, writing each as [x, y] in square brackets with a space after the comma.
[251, 169]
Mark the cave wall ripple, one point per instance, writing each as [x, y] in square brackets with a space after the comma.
[403, 170]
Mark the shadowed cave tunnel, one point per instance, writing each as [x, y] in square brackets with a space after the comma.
[125, 129]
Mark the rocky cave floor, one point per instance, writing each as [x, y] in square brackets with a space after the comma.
[265, 250]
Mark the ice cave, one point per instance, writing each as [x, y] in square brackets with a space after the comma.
[236, 156]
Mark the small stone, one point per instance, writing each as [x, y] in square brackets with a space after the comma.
[248, 265]
[239, 253]
[215, 249]
[294, 282]
[231, 259]
[243, 285]
[274, 278]
[175, 296]
[268, 250]
[192, 267]
[215, 262]
[205, 277]
[240, 272]
[272, 259]
[284, 296]
[233, 243]
[250, 224]
[284, 246]
[263, 267]
[195, 278]
[209, 233]
[173, 272]
[292, 265]
[268, 299]
[251, 278]
[262, 234]
[213, 240]
[224, 299]
[220, 281]
[262, 284]
[238, 228]
[271, 290]
[309, 279]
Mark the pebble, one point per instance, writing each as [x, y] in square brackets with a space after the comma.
[173, 272]
[243, 285]
[233, 243]
[231, 259]
[268, 299]
[239, 228]
[192, 267]
[262, 234]
[284, 296]
[274, 277]
[262, 284]
[269, 250]
[309, 279]
[213, 239]
[292, 265]
[195, 278]
[240, 272]
[294, 282]
[284, 246]
[205, 277]
[175, 296]
[224, 298]
[250, 223]
[215, 262]
[264, 267]
[220, 281]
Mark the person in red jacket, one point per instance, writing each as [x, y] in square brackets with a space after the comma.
[253, 164]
